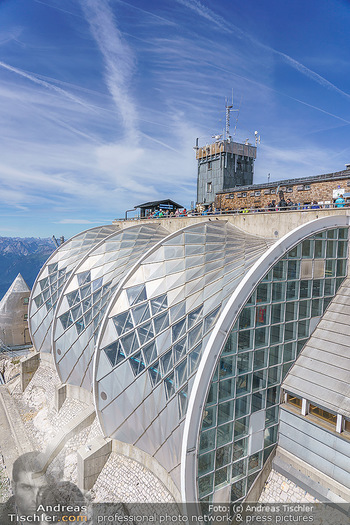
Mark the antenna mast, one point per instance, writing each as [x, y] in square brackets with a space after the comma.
[228, 109]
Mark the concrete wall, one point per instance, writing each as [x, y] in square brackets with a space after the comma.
[271, 225]
[323, 449]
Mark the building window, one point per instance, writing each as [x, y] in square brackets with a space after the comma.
[209, 187]
[266, 192]
[257, 193]
[262, 346]
[273, 192]
[307, 187]
[300, 188]
[209, 165]
[252, 194]
[26, 300]
[347, 425]
[244, 194]
[25, 317]
[323, 414]
[290, 189]
[239, 195]
[294, 400]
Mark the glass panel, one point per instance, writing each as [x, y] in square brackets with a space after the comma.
[242, 406]
[259, 380]
[292, 290]
[240, 449]
[258, 401]
[275, 356]
[137, 364]
[244, 362]
[330, 267]
[305, 289]
[293, 269]
[320, 248]
[277, 313]
[246, 319]
[274, 375]
[226, 389]
[140, 313]
[169, 386]
[254, 462]
[159, 304]
[225, 412]
[206, 463]
[207, 441]
[241, 428]
[239, 469]
[316, 308]
[272, 415]
[227, 367]
[289, 352]
[179, 329]
[224, 434]
[245, 340]
[136, 294]
[237, 490]
[260, 359]
[123, 322]
[303, 328]
[290, 330]
[145, 332]
[291, 311]
[167, 362]
[304, 309]
[279, 271]
[209, 417]
[263, 293]
[221, 476]
[194, 316]
[341, 267]
[262, 315]
[261, 337]
[223, 456]
[307, 248]
[150, 353]
[342, 249]
[205, 485]
[243, 386]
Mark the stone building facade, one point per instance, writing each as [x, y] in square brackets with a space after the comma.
[323, 189]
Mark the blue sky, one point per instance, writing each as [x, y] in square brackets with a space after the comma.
[101, 101]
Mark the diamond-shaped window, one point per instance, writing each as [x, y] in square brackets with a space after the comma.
[194, 358]
[44, 283]
[84, 278]
[136, 294]
[179, 329]
[145, 332]
[73, 298]
[80, 325]
[38, 300]
[115, 353]
[155, 373]
[194, 316]
[181, 373]
[167, 362]
[66, 320]
[211, 318]
[195, 335]
[76, 312]
[183, 399]
[123, 322]
[140, 313]
[52, 268]
[180, 349]
[159, 304]
[85, 291]
[150, 352]
[96, 284]
[88, 317]
[137, 364]
[169, 386]
[129, 343]
[161, 322]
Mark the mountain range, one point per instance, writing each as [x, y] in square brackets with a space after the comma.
[22, 255]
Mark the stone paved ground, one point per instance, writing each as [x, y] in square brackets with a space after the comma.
[126, 480]
[278, 488]
[5, 488]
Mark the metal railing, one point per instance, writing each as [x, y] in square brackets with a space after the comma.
[236, 211]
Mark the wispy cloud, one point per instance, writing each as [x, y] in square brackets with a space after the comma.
[119, 60]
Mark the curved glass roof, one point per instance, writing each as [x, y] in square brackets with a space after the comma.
[51, 279]
[86, 296]
[156, 327]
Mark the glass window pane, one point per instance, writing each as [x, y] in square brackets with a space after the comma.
[295, 252]
[316, 308]
[209, 417]
[242, 406]
[274, 375]
[245, 340]
[329, 286]
[303, 328]
[289, 351]
[258, 401]
[225, 412]
[260, 359]
[305, 289]
[261, 337]
[221, 476]
[292, 290]
[227, 389]
[259, 379]
[290, 331]
[244, 362]
[342, 249]
[243, 386]
[205, 463]
[231, 343]
[341, 267]
[224, 434]
[279, 271]
[291, 311]
[308, 248]
[330, 267]
[246, 319]
[223, 456]
[240, 449]
[278, 292]
[205, 485]
[317, 288]
[238, 490]
[275, 355]
[227, 367]
[343, 233]
[213, 394]
[272, 415]
[304, 309]
[331, 249]
[241, 428]
[320, 248]
[263, 293]
[273, 396]
[276, 334]
[262, 315]
[277, 313]
[293, 269]
[207, 441]
[239, 469]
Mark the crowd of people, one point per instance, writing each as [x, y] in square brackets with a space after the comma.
[282, 205]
